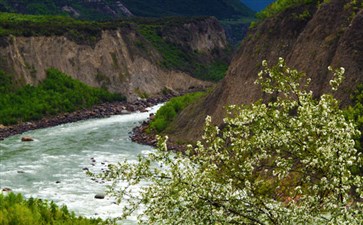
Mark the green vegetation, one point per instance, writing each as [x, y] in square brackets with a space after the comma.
[281, 5]
[177, 57]
[288, 161]
[161, 8]
[167, 113]
[56, 94]
[152, 8]
[87, 32]
[83, 32]
[232, 10]
[355, 113]
[15, 210]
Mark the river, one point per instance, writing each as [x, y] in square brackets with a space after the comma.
[53, 166]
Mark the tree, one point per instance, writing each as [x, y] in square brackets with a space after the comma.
[288, 161]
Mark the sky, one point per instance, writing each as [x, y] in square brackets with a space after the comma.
[257, 5]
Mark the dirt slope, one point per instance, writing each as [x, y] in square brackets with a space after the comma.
[310, 38]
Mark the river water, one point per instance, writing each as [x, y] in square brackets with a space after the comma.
[52, 166]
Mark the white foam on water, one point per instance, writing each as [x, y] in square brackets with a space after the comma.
[53, 164]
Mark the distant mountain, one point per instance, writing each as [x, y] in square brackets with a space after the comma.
[221, 9]
[108, 9]
[234, 15]
[257, 5]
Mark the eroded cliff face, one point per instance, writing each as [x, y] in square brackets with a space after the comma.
[122, 61]
[310, 38]
[206, 36]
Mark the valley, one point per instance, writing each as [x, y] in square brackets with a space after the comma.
[181, 112]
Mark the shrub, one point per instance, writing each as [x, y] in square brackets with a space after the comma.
[355, 113]
[56, 94]
[14, 209]
[284, 162]
[167, 113]
[280, 6]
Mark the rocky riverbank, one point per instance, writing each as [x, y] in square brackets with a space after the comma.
[99, 111]
[141, 136]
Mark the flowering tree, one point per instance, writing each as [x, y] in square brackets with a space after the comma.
[285, 162]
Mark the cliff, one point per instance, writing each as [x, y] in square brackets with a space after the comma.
[309, 37]
[110, 9]
[120, 59]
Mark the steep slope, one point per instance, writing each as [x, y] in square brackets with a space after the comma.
[106, 9]
[221, 9]
[234, 14]
[257, 5]
[89, 9]
[131, 58]
[309, 37]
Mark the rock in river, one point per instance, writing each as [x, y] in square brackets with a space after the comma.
[26, 139]
[99, 196]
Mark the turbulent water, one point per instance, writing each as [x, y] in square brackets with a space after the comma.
[52, 167]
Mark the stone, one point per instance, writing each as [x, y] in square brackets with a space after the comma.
[6, 190]
[99, 196]
[27, 139]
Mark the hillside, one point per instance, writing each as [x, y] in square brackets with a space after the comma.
[107, 9]
[234, 15]
[310, 37]
[257, 5]
[136, 58]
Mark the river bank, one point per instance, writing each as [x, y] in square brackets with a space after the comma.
[141, 136]
[98, 111]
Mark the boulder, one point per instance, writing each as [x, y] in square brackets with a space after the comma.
[6, 190]
[99, 196]
[27, 139]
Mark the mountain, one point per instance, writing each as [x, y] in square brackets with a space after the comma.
[222, 9]
[234, 15]
[310, 37]
[257, 5]
[136, 57]
[107, 9]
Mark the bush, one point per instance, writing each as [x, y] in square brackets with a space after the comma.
[15, 210]
[281, 5]
[167, 113]
[288, 161]
[56, 94]
[355, 113]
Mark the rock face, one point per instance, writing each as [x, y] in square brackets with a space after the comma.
[310, 38]
[122, 61]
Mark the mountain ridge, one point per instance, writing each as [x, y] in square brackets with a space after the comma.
[111, 9]
[310, 37]
[135, 58]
